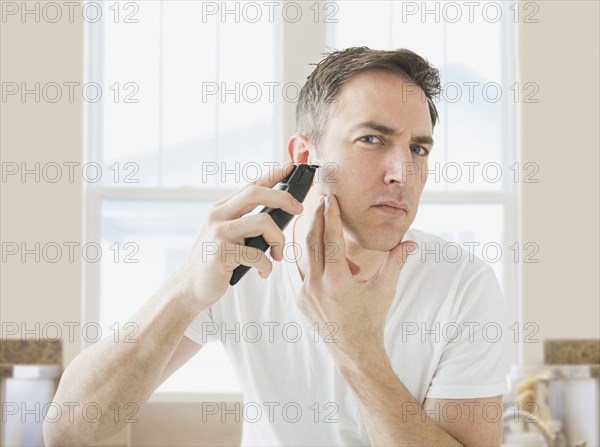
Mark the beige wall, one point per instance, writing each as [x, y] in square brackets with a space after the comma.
[560, 133]
[42, 212]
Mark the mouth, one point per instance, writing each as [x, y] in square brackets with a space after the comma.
[392, 208]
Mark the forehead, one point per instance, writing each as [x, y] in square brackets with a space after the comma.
[383, 97]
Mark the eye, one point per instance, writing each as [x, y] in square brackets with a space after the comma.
[419, 150]
[369, 139]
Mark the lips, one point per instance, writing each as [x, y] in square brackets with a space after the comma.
[392, 204]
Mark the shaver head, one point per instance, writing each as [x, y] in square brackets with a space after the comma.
[299, 181]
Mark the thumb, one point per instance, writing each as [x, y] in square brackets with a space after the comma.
[396, 258]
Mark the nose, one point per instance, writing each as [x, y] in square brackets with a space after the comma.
[400, 166]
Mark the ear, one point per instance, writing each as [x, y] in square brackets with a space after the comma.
[300, 149]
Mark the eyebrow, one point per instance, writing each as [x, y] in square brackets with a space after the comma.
[385, 130]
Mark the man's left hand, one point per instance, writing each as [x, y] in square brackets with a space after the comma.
[335, 298]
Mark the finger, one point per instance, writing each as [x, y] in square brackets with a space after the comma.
[269, 179]
[232, 255]
[260, 224]
[254, 196]
[314, 242]
[394, 263]
[275, 175]
[333, 239]
[228, 197]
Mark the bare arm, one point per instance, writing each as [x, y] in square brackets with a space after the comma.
[184, 352]
[472, 422]
[122, 373]
[393, 417]
[119, 373]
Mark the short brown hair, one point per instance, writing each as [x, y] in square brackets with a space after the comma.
[323, 84]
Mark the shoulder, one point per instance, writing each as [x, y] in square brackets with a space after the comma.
[435, 252]
[452, 272]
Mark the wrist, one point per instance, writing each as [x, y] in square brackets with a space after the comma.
[363, 365]
[176, 292]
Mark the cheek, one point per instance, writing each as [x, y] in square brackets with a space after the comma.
[416, 177]
[424, 167]
[345, 182]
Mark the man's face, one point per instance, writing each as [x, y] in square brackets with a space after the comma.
[377, 138]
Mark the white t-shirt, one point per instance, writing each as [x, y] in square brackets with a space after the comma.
[444, 336]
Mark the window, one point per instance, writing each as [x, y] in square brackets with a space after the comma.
[184, 93]
[180, 100]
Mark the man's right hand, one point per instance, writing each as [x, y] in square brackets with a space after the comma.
[136, 369]
[219, 247]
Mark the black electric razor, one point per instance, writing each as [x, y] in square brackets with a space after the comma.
[297, 183]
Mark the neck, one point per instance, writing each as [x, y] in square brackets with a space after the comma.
[369, 261]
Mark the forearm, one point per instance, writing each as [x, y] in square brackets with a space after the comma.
[118, 376]
[390, 413]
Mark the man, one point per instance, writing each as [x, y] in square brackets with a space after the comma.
[356, 341]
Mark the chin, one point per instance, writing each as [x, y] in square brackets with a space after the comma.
[384, 245]
[373, 234]
[378, 240]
